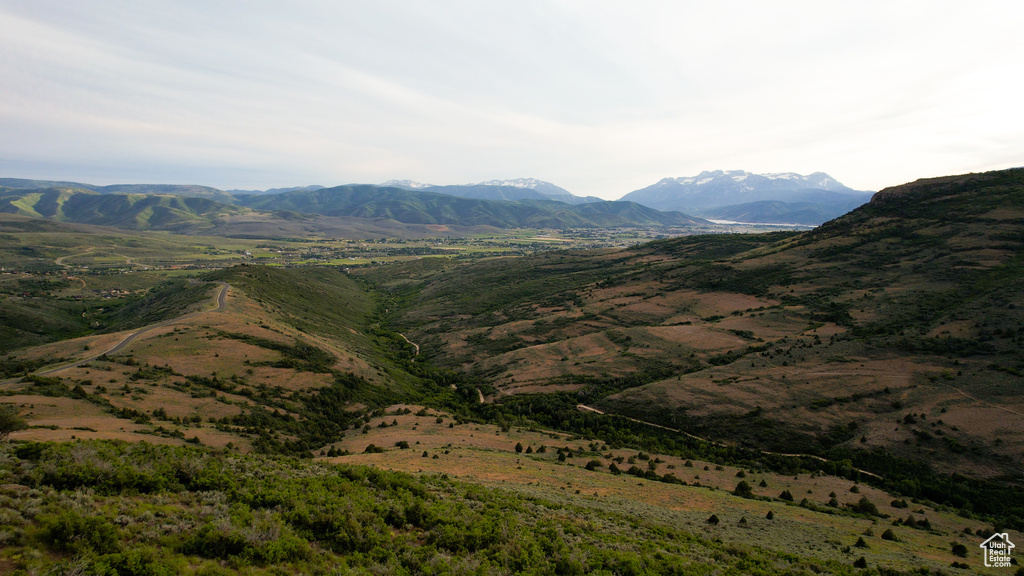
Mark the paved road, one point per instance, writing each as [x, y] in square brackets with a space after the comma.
[221, 300]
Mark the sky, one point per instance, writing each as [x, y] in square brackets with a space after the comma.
[599, 97]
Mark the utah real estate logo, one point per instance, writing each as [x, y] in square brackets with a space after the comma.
[996, 550]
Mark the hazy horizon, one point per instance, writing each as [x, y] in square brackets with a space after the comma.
[599, 98]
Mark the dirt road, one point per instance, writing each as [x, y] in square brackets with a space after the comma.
[585, 408]
[221, 300]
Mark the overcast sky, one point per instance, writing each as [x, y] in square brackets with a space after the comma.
[601, 98]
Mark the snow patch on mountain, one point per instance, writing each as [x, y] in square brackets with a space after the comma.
[407, 184]
[531, 183]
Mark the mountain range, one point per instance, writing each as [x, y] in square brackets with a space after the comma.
[745, 197]
[515, 189]
[734, 195]
[319, 209]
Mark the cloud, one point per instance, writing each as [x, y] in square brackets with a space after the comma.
[598, 97]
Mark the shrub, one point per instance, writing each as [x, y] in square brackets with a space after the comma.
[10, 421]
[744, 490]
[141, 562]
[69, 532]
[786, 495]
[890, 535]
[402, 444]
[860, 563]
[865, 506]
[373, 449]
[713, 520]
[593, 465]
[959, 550]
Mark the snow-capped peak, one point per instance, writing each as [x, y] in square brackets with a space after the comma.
[406, 184]
[514, 183]
[748, 180]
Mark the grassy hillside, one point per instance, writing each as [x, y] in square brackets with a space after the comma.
[314, 300]
[62, 280]
[103, 508]
[859, 382]
[181, 213]
[365, 201]
[908, 309]
[172, 189]
[131, 211]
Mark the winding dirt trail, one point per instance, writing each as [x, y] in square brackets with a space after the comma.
[979, 401]
[585, 408]
[416, 347]
[220, 300]
[60, 261]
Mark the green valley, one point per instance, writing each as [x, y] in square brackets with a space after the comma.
[603, 392]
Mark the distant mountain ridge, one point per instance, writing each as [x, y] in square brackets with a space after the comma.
[128, 211]
[186, 190]
[510, 190]
[424, 206]
[733, 195]
[796, 198]
[372, 204]
[312, 187]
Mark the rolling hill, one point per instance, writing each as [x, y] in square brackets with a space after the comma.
[811, 342]
[194, 215]
[417, 207]
[343, 209]
[187, 190]
[130, 211]
[831, 401]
